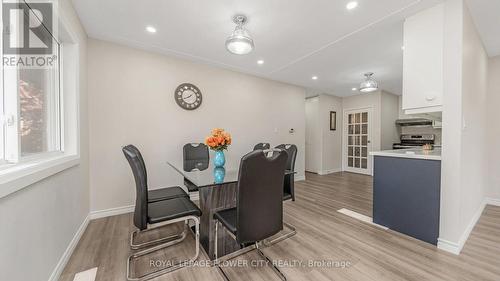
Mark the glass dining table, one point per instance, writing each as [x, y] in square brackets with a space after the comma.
[217, 191]
[204, 173]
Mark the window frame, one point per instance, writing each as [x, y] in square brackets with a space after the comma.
[33, 168]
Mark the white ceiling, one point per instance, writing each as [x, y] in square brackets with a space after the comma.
[296, 38]
[486, 15]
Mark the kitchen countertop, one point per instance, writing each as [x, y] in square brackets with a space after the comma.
[412, 153]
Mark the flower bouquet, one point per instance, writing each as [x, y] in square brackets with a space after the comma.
[218, 141]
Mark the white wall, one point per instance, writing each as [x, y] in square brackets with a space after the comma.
[313, 143]
[131, 101]
[39, 221]
[331, 141]
[464, 128]
[493, 134]
[474, 128]
[389, 133]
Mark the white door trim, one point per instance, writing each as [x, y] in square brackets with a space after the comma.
[369, 109]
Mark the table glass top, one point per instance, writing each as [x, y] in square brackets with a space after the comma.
[204, 173]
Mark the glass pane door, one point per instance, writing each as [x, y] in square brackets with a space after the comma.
[357, 141]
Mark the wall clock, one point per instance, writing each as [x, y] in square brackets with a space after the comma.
[188, 96]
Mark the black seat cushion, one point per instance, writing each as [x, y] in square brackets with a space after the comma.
[227, 218]
[190, 186]
[287, 196]
[166, 193]
[171, 209]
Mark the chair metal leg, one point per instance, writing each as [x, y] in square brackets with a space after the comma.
[239, 253]
[275, 268]
[216, 238]
[230, 255]
[138, 246]
[292, 232]
[163, 246]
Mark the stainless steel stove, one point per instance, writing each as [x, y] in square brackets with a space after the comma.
[414, 141]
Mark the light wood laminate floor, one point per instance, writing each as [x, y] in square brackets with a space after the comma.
[324, 234]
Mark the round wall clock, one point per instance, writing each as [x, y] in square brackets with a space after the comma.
[188, 96]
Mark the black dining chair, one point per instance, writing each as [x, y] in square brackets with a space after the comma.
[288, 186]
[154, 195]
[259, 204]
[262, 146]
[194, 152]
[151, 215]
[288, 190]
[159, 194]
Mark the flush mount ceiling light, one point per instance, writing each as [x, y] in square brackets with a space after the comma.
[369, 85]
[260, 62]
[240, 42]
[150, 29]
[314, 78]
[351, 5]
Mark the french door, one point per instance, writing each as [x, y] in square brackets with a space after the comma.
[357, 144]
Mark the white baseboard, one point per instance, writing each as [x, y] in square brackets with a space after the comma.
[300, 178]
[56, 273]
[111, 212]
[331, 171]
[448, 246]
[456, 248]
[493, 201]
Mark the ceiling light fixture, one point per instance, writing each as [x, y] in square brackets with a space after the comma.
[150, 29]
[260, 62]
[369, 85]
[354, 89]
[240, 42]
[314, 78]
[351, 5]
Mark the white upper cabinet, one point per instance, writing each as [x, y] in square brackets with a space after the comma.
[423, 61]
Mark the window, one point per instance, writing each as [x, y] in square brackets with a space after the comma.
[30, 105]
[40, 80]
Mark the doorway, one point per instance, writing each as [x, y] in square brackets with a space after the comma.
[357, 144]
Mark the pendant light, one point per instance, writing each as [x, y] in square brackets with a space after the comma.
[240, 42]
[369, 85]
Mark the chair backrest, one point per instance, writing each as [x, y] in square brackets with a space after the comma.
[136, 162]
[291, 149]
[195, 151]
[195, 156]
[262, 146]
[260, 196]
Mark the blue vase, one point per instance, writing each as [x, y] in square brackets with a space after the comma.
[219, 159]
[219, 174]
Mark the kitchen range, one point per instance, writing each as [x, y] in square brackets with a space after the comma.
[414, 141]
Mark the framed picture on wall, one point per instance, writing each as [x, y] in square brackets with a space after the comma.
[333, 120]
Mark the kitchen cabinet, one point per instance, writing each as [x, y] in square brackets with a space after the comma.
[423, 61]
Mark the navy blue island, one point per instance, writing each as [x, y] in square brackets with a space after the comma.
[406, 192]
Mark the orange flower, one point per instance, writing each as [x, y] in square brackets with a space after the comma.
[218, 139]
